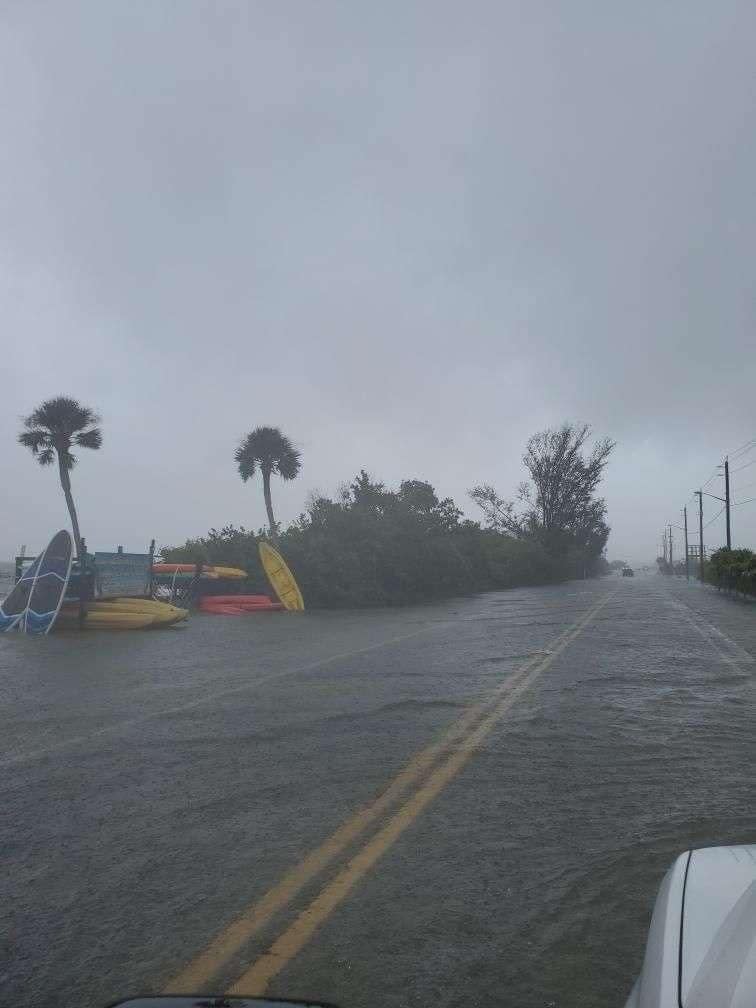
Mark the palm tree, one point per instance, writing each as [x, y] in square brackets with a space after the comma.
[271, 451]
[51, 430]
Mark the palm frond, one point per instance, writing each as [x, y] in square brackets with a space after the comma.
[245, 460]
[61, 416]
[289, 464]
[268, 448]
[91, 438]
[34, 439]
[46, 457]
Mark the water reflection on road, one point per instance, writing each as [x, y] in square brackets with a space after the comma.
[156, 784]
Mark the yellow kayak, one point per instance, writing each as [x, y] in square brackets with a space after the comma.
[98, 620]
[153, 607]
[228, 572]
[122, 614]
[280, 577]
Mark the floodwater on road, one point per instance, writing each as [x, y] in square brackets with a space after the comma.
[547, 753]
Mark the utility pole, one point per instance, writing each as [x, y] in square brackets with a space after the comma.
[687, 556]
[727, 500]
[671, 562]
[699, 494]
[664, 546]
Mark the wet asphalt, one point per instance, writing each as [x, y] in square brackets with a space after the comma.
[154, 785]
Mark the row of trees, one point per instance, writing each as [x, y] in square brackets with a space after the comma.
[61, 424]
[373, 545]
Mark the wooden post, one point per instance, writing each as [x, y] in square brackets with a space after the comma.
[83, 584]
[152, 560]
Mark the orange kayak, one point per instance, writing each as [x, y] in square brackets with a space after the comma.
[206, 570]
[236, 604]
[167, 568]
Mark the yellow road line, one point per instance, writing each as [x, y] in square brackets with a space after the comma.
[197, 973]
[259, 913]
[256, 979]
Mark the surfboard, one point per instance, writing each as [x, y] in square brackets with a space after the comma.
[280, 577]
[13, 608]
[49, 585]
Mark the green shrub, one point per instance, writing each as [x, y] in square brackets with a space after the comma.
[378, 547]
[732, 569]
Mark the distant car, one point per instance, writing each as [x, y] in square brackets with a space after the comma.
[628, 572]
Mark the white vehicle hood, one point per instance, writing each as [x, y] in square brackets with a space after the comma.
[718, 954]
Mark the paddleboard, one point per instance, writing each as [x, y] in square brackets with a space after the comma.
[49, 585]
[13, 608]
[280, 577]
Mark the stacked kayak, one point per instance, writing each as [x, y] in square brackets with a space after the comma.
[210, 571]
[121, 614]
[237, 605]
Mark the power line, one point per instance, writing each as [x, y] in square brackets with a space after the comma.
[714, 519]
[737, 453]
[744, 448]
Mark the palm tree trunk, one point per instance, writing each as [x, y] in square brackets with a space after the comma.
[65, 482]
[269, 504]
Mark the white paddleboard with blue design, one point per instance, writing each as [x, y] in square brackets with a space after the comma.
[49, 585]
[13, 608]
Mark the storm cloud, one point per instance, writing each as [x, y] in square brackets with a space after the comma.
[408, 234]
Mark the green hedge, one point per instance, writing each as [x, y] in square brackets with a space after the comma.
[374, 546]
[734, 570]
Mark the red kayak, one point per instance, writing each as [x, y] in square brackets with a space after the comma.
[238, 605]
[240, 600]
[224, 610]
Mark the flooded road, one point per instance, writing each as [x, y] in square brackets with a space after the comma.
[471, 802]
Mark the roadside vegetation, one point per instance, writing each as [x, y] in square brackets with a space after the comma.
[372, 545]
[733, 570]
[375, 545]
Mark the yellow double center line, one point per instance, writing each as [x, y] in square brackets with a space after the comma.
[456, 747]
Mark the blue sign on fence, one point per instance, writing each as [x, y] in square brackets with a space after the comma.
[126, 574]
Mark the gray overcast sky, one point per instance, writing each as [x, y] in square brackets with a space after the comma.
[410, 234]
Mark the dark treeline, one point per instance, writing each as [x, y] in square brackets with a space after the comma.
[376, 546]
